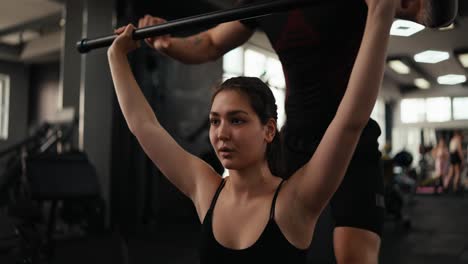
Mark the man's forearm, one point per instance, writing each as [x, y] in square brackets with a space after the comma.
[195, 49]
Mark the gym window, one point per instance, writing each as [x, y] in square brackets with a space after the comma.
[4, 105]
[460, 109]
[438, 109]
[434, 109]
[412, 110]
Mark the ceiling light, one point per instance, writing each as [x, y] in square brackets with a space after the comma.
[422, 83]
[451, 79]
[431, 56]
[11, 39]
[399, 67]
[405, 28]
[20, 37]
[463, 58]
[29, 35]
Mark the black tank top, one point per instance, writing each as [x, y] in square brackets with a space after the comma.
[271, 246]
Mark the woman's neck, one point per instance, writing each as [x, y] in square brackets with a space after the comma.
[250, 182]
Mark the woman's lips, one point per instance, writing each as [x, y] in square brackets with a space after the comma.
[225, 152]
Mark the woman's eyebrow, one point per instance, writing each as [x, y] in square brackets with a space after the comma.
[230, 113]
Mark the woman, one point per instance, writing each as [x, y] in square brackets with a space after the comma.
[245, 217]
[441, 155]
[456, 160]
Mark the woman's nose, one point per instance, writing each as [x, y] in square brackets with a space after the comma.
[223, 131]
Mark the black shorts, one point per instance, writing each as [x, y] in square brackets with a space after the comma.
[359, 200]
[455, 158]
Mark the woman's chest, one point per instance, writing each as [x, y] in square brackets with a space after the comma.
[239, 226]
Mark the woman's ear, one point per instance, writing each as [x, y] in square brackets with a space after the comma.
[270, 130]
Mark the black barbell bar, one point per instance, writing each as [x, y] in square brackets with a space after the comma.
[443, 12]
[203, 20]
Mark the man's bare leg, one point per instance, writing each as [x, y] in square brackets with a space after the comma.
[355, 245]
[456, 178]
[448, 177]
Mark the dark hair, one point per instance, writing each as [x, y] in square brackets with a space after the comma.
[263, 103]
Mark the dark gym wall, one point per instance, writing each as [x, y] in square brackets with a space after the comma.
[143, 200]
[145, 205]
[71, 61]
[123, 169]
[43, 92]
[19, 88]
[87, 85]
[389, 109]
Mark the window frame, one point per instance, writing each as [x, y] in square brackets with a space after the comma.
[4, 105]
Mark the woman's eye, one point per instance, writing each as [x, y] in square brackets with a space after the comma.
[214, 122]
[237, 121]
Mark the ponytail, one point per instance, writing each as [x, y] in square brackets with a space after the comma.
[274, 156]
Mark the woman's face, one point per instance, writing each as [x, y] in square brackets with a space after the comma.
[236, 133]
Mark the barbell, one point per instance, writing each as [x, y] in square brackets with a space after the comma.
[443, 13]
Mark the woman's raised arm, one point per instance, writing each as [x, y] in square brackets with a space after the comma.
[189, 174]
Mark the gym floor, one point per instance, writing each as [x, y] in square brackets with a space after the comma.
[439, 234]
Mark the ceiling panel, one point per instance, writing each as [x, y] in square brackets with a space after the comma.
[400, 47]
[430, 39]
[15, 12]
